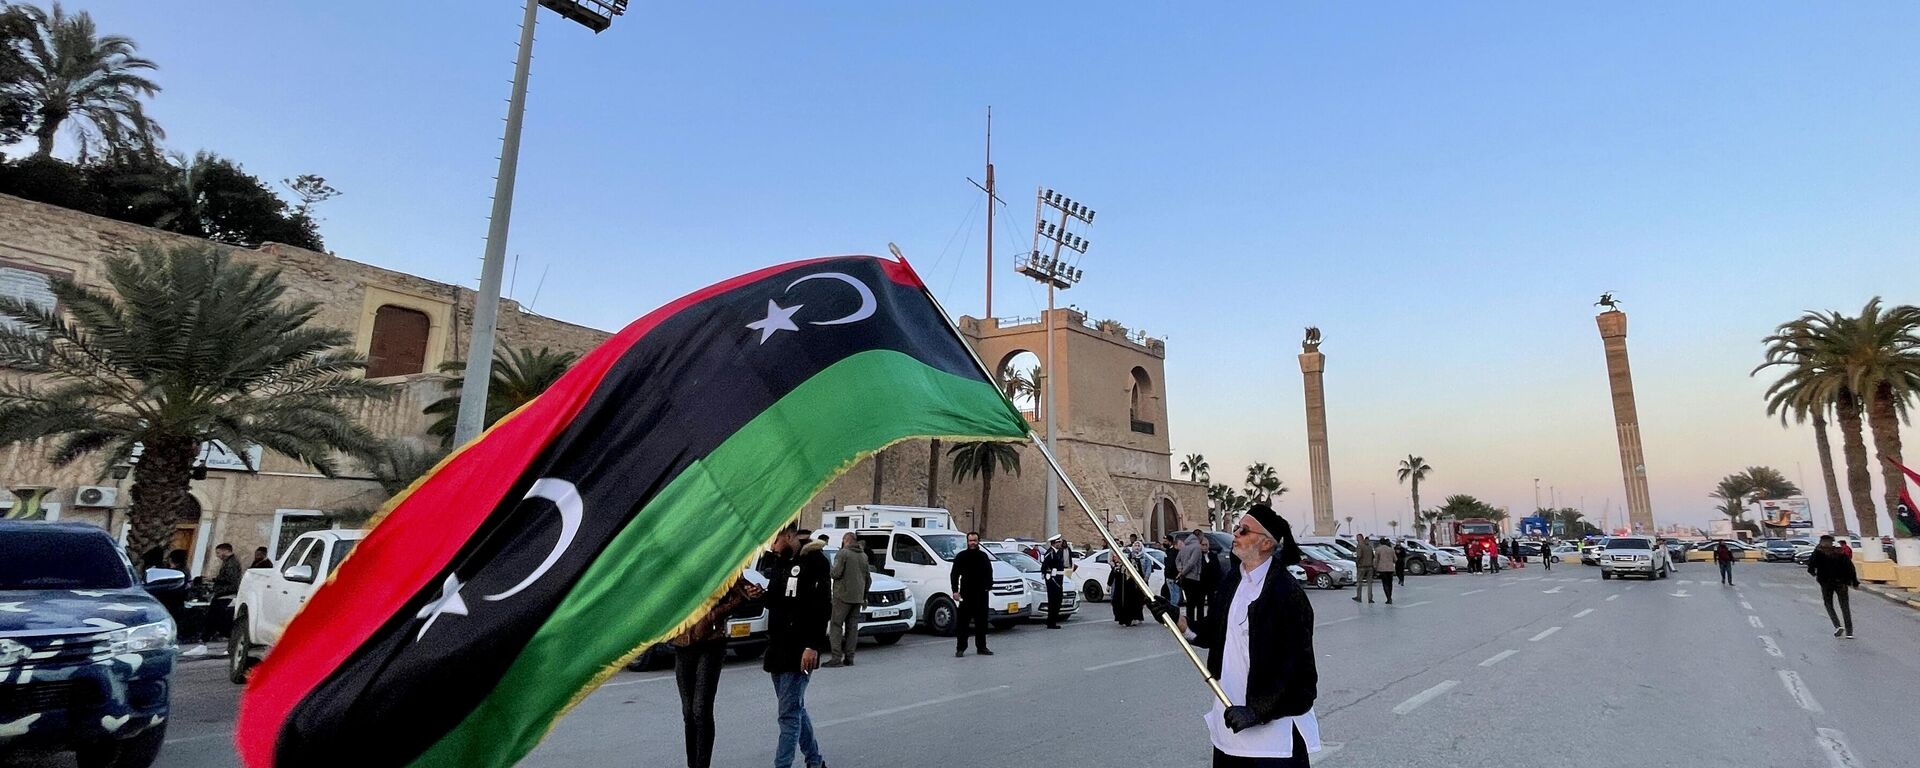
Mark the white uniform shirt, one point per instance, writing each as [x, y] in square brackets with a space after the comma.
[1273, 739]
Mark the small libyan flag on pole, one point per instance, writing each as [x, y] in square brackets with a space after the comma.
[607, 514]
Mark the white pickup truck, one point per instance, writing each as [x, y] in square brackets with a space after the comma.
[269, 597]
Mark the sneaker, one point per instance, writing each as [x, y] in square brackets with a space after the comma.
[1356, 599]
[833, 663]
[1838, 631]
[1849, 635]
[1389, 601]
[984, 652]
[849, 661]
[959, 653]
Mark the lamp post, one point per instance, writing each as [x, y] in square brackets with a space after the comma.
[1056, 275]
[596, 15]
[1536, 493]
[1349, 525]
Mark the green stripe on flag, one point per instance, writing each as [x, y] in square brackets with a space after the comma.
[691, 539]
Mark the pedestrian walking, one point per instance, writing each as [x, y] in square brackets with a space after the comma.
[1364, 563]
[1188, 569]
[1830, 566]
[1399, 564]
[1259, 637]
[1546, 555]
[850, 581]
[1723, 556]
[1128, 601]
[972, 578]
[1171, 547]
[1384, 562]
[800, 598]
[1058, 562]
[1494, 555]
[697, 654]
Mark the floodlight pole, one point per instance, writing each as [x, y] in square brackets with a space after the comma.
[486, 309]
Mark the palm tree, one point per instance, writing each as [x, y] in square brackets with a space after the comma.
[518, 376]
[933, 472]
[1195, 467]
[1415, 469]
[1263, 483]
[187, 347]
[1879, 357]
[1226, 501]
[1796, 394]
[1769, 483]
[75, 72]
[1569, 519]
[982, 459]
[1427, 524]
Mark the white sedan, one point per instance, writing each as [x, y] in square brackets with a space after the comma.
[1091, 572]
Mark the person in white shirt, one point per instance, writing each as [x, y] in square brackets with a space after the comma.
[1259, 632]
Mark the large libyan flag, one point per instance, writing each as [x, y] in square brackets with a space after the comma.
[607, 513]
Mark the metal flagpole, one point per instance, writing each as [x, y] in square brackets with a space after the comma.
[1113, 545]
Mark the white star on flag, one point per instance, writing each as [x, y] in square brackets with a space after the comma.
[778, 318]
[449, 602]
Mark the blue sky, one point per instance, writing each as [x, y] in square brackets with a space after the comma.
[1443, 188]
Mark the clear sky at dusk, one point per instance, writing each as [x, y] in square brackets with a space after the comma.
[1443, 188]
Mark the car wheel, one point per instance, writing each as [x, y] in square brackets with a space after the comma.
[137, 752]
[941, 616]
[888, 639]
[1417, 567]
[1323, 581]
[1605, 575]
[239, 651]
[1092, 591]
[1664, 570]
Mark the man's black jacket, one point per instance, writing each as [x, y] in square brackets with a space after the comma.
[1281, 678]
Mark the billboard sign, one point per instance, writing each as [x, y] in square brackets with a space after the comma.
[1782, 515]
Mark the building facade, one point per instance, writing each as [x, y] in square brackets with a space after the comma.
[405, 325]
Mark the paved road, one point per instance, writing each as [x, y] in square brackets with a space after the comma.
[1545, 669]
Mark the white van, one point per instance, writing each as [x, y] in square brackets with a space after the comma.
[922, 559]
[877, 515]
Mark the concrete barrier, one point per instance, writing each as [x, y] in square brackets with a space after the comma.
[1877, 571]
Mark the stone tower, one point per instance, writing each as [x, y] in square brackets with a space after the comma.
[1626, 417]
[1312, 363]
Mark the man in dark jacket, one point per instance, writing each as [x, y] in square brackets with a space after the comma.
[799, 599]
[1723, 557]
[1834, 571]
[1259, 632]
[1059, 560]
[972, 579]
[226, 584]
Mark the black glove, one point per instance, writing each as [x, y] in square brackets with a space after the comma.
[1241, 718]
[1163, 610]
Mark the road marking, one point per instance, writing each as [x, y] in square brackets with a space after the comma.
[1773, 648]
[905, 707]
[1681, 593]
[1551, 591]
[201, 737]
[1834, 743]
[1798, 688]
[1423, 697]
[1746, 605]
[1755, 621]
[1583, 613]
[1543, 634]
[1498, 657]
[1611, 598]
[1588, 581]
[1472, 592]
[1334, 621]
[1098, 667]
[1416, 605]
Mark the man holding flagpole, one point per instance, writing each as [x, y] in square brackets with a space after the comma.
[1259, 632]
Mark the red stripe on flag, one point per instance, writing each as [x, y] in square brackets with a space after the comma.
[418, 539]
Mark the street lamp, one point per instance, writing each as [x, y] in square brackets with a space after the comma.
[1056, 275]
[596, 15]
[1349, 525]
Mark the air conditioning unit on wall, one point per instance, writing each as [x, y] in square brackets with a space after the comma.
[96, 496]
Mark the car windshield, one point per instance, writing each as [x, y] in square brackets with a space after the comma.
[1320, 553]
[1019, 560]
[57, 559]
[1482, 529]
[1629, 544]
[945, 545]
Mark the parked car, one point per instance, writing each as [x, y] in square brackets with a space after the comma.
[1037, 584]
[922, 559]
[1634, 555]
[86, 649]
[1564, 552]
[1340, 572]
[1091, 574]
[269, 597]
[1777, 550]
[1590, 553]
[746, 632]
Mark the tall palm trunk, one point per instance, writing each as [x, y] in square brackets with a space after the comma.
[1885, 421]
[50, 120]
[1834, 505]
[159, 493]
[986, 495]
[933, 474]
[1416, 498]
[879, 473]
[1853, 445]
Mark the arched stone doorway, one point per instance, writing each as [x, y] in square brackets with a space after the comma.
[1165, 518]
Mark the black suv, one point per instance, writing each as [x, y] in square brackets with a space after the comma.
[86, 652]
